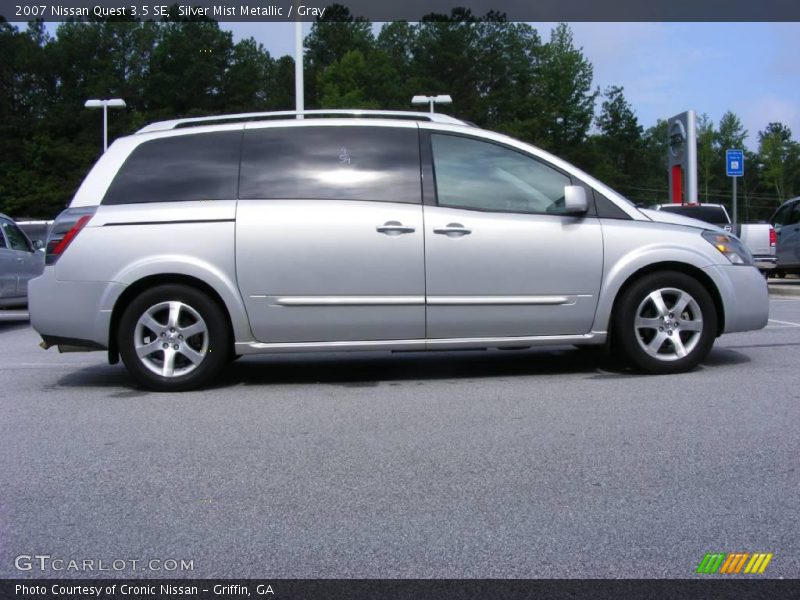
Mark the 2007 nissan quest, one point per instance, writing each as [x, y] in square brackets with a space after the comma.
[197, 240]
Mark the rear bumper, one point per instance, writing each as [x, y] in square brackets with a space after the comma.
[744, 294]
[765, 263]
[72, 310]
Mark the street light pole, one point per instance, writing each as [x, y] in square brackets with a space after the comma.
[298, 68]
[431, 100]
[105, 104]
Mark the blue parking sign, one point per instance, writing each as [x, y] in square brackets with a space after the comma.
[734, 163]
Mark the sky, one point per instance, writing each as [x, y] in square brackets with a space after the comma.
[667, 68]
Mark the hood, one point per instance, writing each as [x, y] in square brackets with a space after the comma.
[662, 216]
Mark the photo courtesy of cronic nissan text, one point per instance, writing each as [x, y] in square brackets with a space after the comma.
[437, 300]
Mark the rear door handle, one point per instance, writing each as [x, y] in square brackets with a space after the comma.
[394, 228]
[452, 230]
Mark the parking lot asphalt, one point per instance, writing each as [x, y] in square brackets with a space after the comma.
[533, 463]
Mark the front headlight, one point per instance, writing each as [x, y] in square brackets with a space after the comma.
[729, 246]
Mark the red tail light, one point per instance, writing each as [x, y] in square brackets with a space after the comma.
[65, 229]
[773, 238]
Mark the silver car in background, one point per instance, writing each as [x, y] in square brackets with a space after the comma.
[197, 240]
[20, 262]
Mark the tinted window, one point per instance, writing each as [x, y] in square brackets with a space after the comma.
[794, 217]
[710, 214]
[780, 216]
[200, 166]
[339, 163]
[16, 239]
[482, 175]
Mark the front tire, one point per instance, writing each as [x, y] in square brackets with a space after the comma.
[174, 338]
[665, 322]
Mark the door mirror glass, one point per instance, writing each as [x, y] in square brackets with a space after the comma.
[38, 245]
[575, 201]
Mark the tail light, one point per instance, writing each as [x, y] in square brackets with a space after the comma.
[773, 238]
[65, 229]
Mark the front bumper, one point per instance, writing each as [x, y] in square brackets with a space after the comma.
[744, 294]
[78, 311]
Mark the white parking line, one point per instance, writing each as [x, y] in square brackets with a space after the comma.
[785, 323]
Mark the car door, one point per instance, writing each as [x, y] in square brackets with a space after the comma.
[502, 258]
[329, 237]
[787, 229]
[8, 268]
[24, 265]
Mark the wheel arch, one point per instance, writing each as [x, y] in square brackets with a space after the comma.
[139, 286]
[680, 267]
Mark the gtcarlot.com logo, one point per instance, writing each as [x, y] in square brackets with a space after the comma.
[734, 563]
[46, 562]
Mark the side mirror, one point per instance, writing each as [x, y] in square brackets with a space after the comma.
[575, 201]
[38, 245]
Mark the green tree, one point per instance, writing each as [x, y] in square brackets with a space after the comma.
[778, 157]
[282, 95]
[188, 69]
[732, 133]
[706, 154]
[445, 55]
[620, 140]
[394, 45]
[508, 54]
[330, 38]
[567, 99]
[348, 83]
[248, 83]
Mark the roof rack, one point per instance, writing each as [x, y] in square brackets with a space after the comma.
[334, 113]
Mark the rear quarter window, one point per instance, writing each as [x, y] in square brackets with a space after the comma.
[202, 166]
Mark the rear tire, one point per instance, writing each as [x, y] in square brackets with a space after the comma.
[174, 338]
[665, 322]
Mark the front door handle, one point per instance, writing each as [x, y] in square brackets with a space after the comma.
[394, 228]
[452, 230]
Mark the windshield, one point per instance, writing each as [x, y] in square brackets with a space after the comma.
[710, 214]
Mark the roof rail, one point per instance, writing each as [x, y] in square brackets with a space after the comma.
[332, 113]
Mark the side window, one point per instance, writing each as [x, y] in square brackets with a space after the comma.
[781, 215]
[2, 238]
[331, 163]
[480, 175]
[794, 217]
[200, 166]
[16, 239]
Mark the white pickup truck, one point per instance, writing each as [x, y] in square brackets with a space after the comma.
[759, 238]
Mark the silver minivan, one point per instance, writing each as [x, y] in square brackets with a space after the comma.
[195, 241]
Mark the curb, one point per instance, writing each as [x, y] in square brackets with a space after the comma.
[784, 290]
